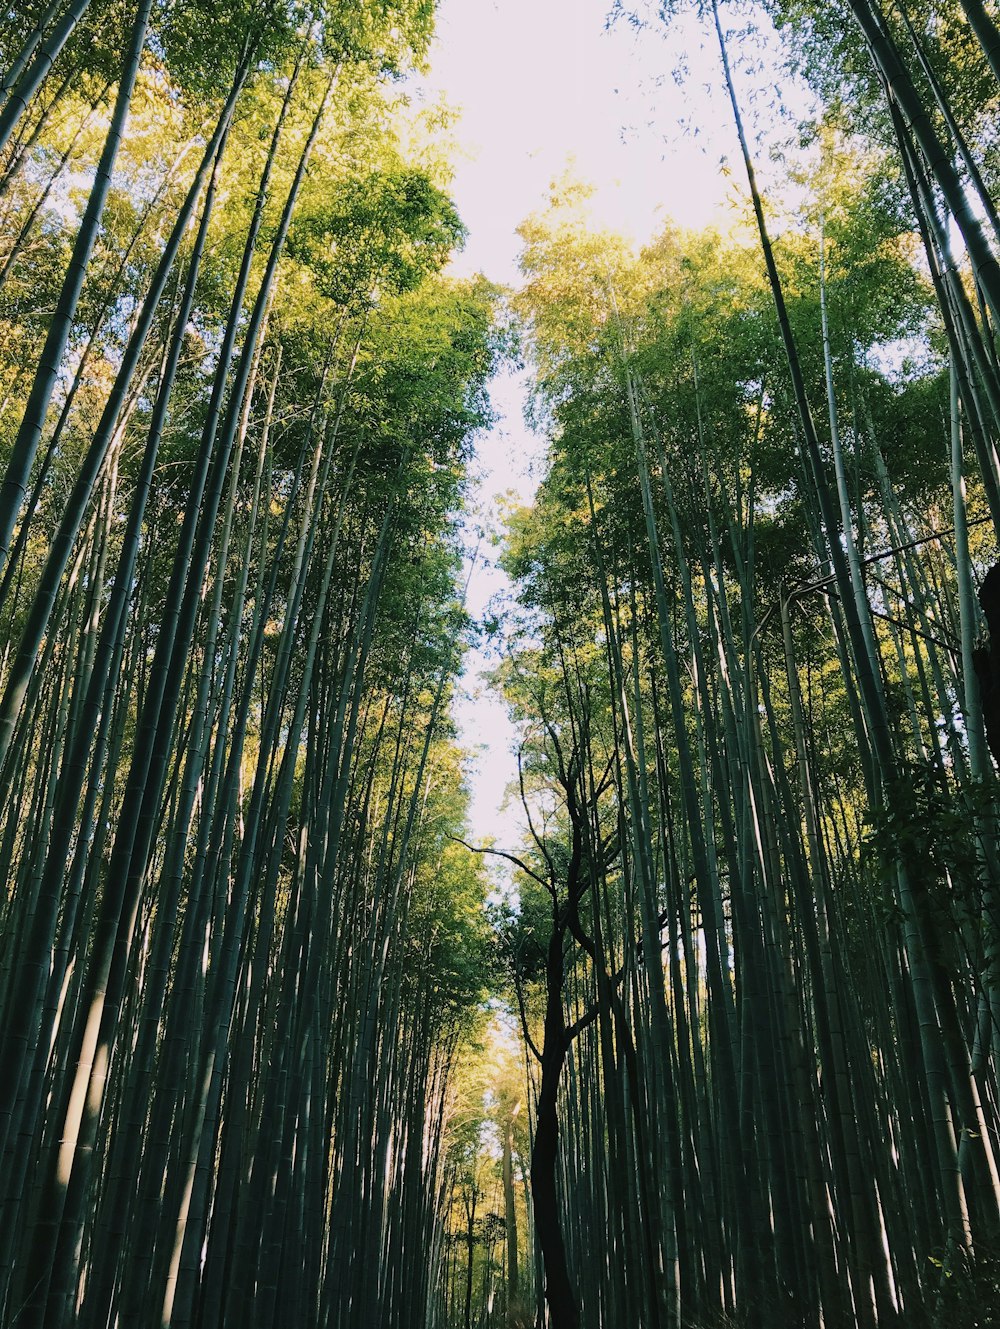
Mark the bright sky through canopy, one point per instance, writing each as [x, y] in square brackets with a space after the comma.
[545, 83]
[544, 86]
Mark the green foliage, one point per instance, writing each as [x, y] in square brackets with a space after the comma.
[296, 658]
[384, 232]
[939, 834]
[523, 932]
[968, 1289]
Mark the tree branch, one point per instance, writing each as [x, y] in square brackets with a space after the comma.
[524, 1021]
[543, 848]
[511, 858]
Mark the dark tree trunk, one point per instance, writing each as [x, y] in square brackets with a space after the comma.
[558, 1288]
[545, 1150]
[987, 660]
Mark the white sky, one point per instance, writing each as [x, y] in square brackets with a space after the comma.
[543, 85]
[541, 82]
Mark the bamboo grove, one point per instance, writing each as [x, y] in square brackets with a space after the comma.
[275, 1048]
[754, 946]
[239, 947]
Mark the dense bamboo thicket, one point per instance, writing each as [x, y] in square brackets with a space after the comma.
[275, 1048]
[239, 947]
[757, 938]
